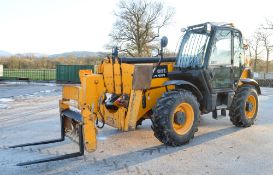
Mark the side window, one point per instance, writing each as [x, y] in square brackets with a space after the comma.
[221, 48]
[238, 50]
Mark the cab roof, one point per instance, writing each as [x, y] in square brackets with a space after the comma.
[211, 25]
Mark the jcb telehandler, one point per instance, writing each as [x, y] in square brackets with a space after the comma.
[209, 74]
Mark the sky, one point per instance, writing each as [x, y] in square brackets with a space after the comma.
[57, 26]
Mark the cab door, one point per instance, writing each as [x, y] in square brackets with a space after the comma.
[238, 56]
[220, 61]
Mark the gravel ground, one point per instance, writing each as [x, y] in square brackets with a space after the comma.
[29, 113]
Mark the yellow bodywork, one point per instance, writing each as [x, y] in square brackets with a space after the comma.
[113, 78]
[245, 74]
[119, 79]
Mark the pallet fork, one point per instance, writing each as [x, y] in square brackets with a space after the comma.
[64, 114]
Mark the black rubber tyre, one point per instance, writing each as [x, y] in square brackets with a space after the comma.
[237, 110]
[162, 120]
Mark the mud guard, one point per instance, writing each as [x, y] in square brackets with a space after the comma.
[186, 85]
[252, 82]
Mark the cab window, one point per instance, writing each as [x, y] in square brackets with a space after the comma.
[221, 48]
[238, 50]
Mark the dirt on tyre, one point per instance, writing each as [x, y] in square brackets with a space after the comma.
[176, 117]
[244, 108]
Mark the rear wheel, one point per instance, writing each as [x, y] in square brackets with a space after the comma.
[176, 117]
[244, 107]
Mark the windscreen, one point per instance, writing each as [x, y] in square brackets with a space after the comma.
[192, 50]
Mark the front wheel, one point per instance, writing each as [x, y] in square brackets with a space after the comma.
[176, 117]
[244, 108]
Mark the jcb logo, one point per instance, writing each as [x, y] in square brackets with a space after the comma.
[161, 72]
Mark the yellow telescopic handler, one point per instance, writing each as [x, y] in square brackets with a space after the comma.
[209, 74]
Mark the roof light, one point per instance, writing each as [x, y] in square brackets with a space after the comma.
[208, 28]
[183, 29]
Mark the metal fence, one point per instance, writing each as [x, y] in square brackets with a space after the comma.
[263, 76]
[30, 74]
[264, 79]
[265, 83]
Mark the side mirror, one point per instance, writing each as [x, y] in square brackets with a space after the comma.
[245, 46]
[164, 42]
[155, 53]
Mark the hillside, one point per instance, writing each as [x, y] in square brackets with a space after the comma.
[79, 54]
[76, 54]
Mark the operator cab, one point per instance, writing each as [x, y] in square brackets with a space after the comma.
[211, 57]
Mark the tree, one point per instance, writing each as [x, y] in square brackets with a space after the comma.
[268, 25]
[138, 24]
[266, 39]
[255, 47]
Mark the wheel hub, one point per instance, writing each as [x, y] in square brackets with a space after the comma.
[180, 118]
[249, 106]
